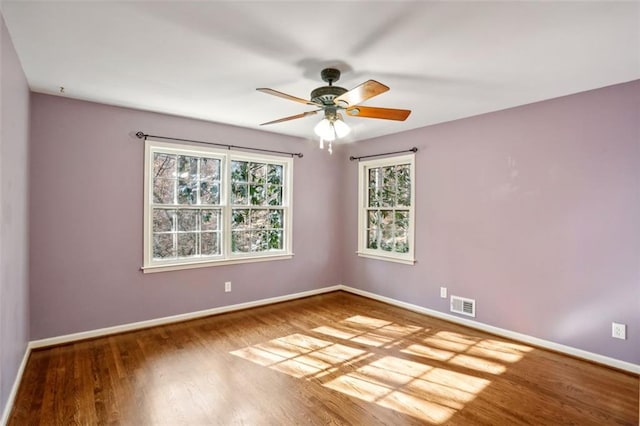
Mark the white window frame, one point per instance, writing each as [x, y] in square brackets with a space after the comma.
[363, 195]
[226, 257]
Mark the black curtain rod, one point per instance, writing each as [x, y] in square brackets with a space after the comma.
[144, 136]
[414, 149]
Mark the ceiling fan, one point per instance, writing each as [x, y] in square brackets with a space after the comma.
[334, 99]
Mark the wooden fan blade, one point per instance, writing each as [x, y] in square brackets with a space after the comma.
[384, 113]
[361, 93]
[285, 96]
[292, 117]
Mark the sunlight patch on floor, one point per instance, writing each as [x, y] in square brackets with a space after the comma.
[305, 357]
[373, 374]
[367, 321]
[368, 331]
[412, 388]
[335, 332]
[479, 364]
[484, 355]
[428, 352]
[417, 407]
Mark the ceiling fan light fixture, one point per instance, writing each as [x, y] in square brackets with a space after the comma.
[330, 130]
[324, 130]
[341, 128]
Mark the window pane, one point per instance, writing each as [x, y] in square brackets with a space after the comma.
[187, 167]
[276, 219]
[275, 240]
[257, 173]
[373, 237]
[402, 242]
[403, 182]
[210, 243]
[401, 228]
[210, 168]
[187, 220]
[388, 186]
[240, 241]
[374, 197]
[386, 228]
[274, 175]
[389, 177]
[374, 177]
[274, 195]
[163, 246]
[209, 192]
[164, 166]
[210, 220]
[187, 244]
[374, 187]
[239, 194]
[257, 195]
[163, 220]
[402, 219]
[239, 171]
[259, 241]
[373, 218]
[386, 218]
[187, 192]
[259, 218]
[164, 191]
[240, 219]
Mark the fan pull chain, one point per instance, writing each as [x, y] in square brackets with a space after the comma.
[321, 143]
[330, 148]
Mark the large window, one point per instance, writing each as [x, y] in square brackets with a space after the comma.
[206, 206]
[386, 215]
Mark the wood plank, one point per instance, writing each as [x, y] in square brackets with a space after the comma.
[332, 359]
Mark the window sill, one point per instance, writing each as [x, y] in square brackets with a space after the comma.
[403, 260]
[209, 263]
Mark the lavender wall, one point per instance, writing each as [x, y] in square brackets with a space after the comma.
[14, 288]
[532, 211]
[86, 221]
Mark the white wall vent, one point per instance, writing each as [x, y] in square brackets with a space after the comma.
[463, 306]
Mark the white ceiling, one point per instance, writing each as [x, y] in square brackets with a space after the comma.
[443, 60]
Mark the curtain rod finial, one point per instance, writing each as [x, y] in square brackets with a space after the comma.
[140, 135]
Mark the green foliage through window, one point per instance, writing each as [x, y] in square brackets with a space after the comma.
[256, 200]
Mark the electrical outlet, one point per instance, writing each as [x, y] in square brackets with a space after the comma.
[227, 286]
[443, 292]
[619, 331]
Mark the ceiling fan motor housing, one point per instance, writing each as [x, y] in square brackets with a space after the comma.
[326, 94]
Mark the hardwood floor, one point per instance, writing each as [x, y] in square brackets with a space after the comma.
[332, 359]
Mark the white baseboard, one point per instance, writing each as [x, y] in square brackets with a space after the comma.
[14, 389]
[579, 353]
[58, 340]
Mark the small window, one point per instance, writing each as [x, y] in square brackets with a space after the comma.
[386, 209]
[205, 207]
